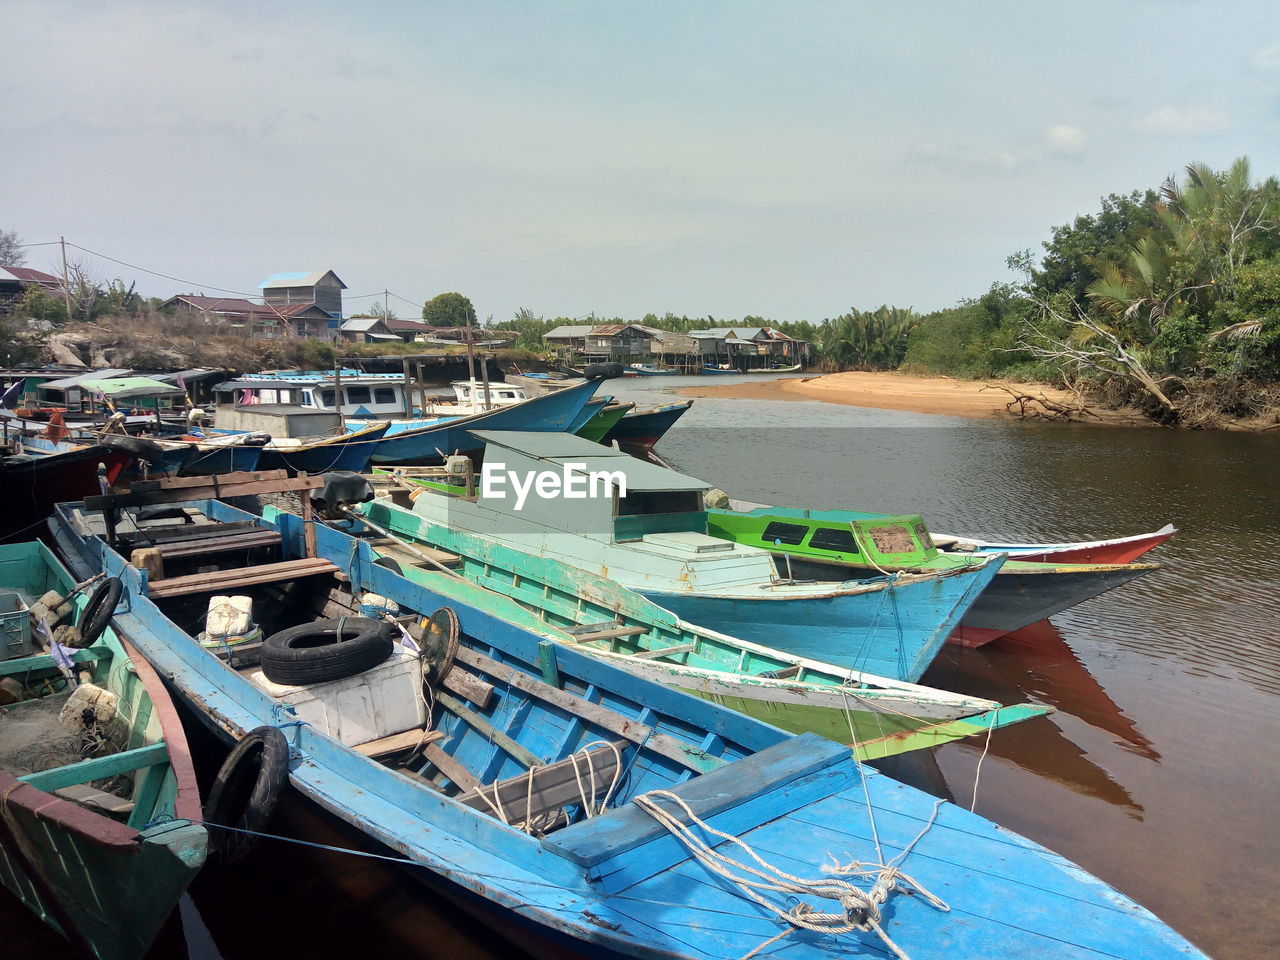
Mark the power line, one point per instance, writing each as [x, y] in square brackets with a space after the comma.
[134, 266]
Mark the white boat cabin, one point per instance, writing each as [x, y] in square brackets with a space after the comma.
[371, 395]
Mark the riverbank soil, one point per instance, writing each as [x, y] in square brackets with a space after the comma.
[914, 394]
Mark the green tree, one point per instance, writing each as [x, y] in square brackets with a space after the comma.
[11, 252]
[1071, 258]
[531, 329]
[449, 310]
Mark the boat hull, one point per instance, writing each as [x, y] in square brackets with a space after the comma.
[893, 632]
[351, 451]
[1014, 598]
[555, 411]
[208, 461]
[640, 430]
[33, 487]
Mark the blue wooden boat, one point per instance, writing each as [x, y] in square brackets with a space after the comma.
[430, 442]
[730, 371]
[650, 534]
[650, 370]
[99, 808]
[571, 804]
[348, 451]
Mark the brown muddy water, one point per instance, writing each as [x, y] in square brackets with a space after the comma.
[1159, 772]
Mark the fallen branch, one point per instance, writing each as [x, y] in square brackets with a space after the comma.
[1028, 406]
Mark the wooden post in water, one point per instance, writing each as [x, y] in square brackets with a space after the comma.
[484, 369]
[408, 400]
[337, 395]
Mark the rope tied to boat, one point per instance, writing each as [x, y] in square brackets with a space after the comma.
[859, 909]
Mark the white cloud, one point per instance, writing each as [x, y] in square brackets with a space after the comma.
[1065, 139]
[1182, 120]
[1268, 58]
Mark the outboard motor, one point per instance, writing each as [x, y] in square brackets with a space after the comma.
[341, 489]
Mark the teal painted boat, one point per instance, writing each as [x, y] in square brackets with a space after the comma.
[645, 528]
[100, 811]
[877, 716]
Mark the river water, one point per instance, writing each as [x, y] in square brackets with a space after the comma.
[1159, 772]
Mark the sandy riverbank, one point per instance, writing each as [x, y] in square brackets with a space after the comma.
[900, 391]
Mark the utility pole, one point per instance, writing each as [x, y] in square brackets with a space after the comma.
[386, 305]
[66, 283]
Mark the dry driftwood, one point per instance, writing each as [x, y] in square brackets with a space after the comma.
[1029, 406]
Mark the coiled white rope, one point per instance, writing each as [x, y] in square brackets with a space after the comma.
[859, 909]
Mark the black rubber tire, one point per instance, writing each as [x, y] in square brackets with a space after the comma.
[98, 611]
[236, 801]
[603, 371]
[314, 652]
[391, 563]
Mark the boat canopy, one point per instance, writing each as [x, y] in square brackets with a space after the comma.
[130, 388]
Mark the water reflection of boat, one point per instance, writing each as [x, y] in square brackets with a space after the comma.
[1037, 664]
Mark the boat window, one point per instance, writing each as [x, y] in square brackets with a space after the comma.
[641, 502]
[923, 535]
[840, 540]
[308, 398]
[384, 395]
[788, 533]
[357, 394]
[327, 397]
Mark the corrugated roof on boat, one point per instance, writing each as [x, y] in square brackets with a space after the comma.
[79, 378]
[126, 387]
[564, 448]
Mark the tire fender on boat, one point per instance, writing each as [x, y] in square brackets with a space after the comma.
[98, 611]
[324, 650]
[246, 791]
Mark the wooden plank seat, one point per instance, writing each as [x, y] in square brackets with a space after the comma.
[88, 796]
[608, 630]
[227, 543]
[546, 789]
[98, 768]
[185, 532]
[227, 580]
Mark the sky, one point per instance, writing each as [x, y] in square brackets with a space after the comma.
[787, 160]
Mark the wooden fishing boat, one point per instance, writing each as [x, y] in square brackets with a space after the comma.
[650, 370]
[599, 425]
[33, 484]
[1113, 550]
[878, 716]
[641, 427]
[568, 802]
[731, 371]
[1022, 593]
[427, 442]
[648, 531]
[99, 808]
[347, 451]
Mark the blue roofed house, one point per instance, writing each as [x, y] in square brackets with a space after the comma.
[320, 287]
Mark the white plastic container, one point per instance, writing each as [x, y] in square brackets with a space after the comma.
[377, 703]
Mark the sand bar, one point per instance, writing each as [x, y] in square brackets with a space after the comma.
[901, 391]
